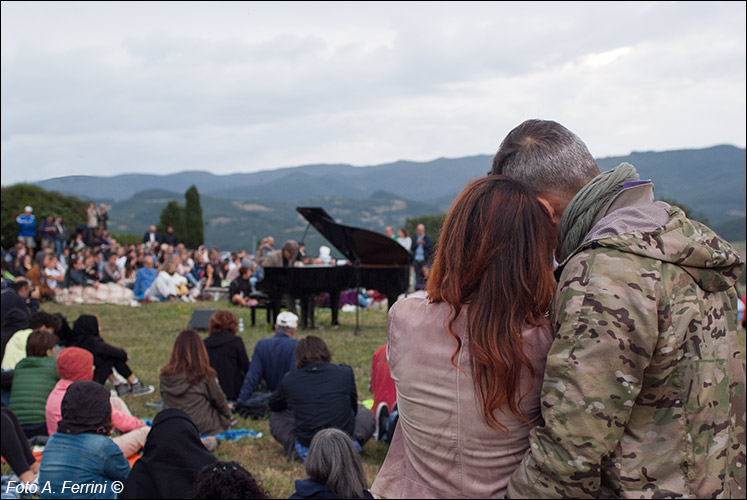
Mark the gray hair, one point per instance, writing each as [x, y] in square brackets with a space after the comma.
[334, 461]
[547, 157]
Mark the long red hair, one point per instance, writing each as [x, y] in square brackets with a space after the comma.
[495, 253]
[189, 356]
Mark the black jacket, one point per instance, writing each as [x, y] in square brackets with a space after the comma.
[15, 314]
[228, 357]
[321, 395]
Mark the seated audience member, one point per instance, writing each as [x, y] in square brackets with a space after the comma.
[78, 243]
[320, 395]
[144, 278]
[271, 360]
[226, 480]
[53, 276]
[164, 287]
[334, 467]
[241, 288]
[383, 389]
[15, 351]
[74, 364]
[80, 450]
[18, 302]
[86, 334]
[190, 384]
[129, 272]
[227, 352]
[110, 270]
[211, 276]
[15, 448]
[468, 359]
[33, 379]
[77, 276]
[36, 275]
[167, 470]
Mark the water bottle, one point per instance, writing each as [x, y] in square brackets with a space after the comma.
[241, 324]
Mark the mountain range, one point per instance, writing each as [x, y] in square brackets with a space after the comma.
[239, 209]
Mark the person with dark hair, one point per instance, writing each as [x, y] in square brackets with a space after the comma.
[15, 350]
[189, 383]
[81, 452]
[421, 249]
[15, 448]
[643, 394]
[18, 302]
[74, 364]
[34, 378]
[226, 480]
[467, 357]
[334, 467]
[227, 352]
[172, 457]
[241, 288]
[320, 395]
[86, 334]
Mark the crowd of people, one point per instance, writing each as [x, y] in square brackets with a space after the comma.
[571, 337]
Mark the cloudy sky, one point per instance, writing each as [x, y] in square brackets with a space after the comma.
[103, 88]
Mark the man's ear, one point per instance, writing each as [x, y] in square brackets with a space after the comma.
[547, 204]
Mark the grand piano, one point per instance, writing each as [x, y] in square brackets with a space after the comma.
[374, 261]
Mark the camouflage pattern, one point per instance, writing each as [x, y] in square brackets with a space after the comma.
[644, 389]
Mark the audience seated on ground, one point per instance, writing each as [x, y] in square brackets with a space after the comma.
[81, 450]
[17, 304]
[240, 289]
[82, 286]
[334, 467]
[144, 278]
[75, 364]
[190, 384]
[227, 352]
[320, 395]
[164, 287]
[34, 378]
[15, 448]
[226, 480]
[86, 334]
[172, 457]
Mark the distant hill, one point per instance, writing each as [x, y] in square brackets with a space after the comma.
[239, 208]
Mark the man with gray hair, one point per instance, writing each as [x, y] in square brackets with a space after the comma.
[643, 393]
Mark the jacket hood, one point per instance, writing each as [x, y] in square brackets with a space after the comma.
[308, 488]
[174, 385]
[219, 339]
[711, 261]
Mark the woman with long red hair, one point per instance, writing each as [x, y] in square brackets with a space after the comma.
[188, 383]
[468, 358]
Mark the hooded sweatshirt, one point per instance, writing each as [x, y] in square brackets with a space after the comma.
[228, 358]
[644, 385]
[204, 402]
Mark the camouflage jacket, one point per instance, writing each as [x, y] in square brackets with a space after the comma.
[644, 389]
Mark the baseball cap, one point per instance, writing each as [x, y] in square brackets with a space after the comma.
[287, 319]
[28, 209]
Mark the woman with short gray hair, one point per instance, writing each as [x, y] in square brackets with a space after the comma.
[334, 467]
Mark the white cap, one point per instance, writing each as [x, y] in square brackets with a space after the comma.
[287, 319]
[28, 209]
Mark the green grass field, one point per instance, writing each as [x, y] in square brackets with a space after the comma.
[148, 333]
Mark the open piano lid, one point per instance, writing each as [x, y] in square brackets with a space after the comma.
[357, 245]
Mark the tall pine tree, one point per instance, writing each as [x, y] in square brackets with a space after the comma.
[194, 234]
[172, 215]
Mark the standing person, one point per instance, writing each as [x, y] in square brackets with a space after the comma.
[191, 385]
[321, 395]
[92, 223]
[61, 237]
[404, 239]
[643, 393]
[103, 217]
[421, 252]
[150, 238]
[227, 352]
[27, 229]
[48, 232]
[334, 467]
[468, 359]
[81, 450]
[166, 470]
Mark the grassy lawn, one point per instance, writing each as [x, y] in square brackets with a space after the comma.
[148, 333]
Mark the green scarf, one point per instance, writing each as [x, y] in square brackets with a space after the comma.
[579, 215]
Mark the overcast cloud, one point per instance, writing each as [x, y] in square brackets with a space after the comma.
[103, 88]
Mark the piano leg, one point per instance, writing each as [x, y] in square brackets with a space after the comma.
[334, 305]
[307, 312]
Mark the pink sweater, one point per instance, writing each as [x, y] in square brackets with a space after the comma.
[442, 447]
[53, 410]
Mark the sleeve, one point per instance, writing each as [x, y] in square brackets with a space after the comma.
[277, 401]
[251, 380]
[218, 398]
[353, 391]
[605, 337]
[124, 422]
[115, 467]
[243, 359]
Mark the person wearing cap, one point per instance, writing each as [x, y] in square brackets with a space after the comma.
[80, 454]
[271, 360]
[27, 228]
